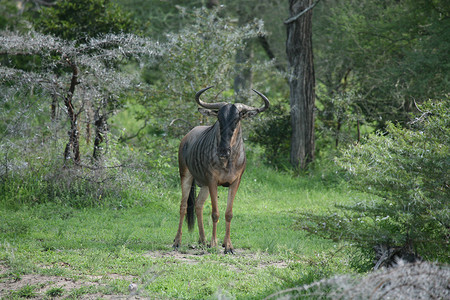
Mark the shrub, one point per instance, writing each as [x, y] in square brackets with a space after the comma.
[405, 281]
[403, 173]
[274, 135]
[35, 175]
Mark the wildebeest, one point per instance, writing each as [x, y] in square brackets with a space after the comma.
[212, 156]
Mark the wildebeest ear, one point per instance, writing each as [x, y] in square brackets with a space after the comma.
[247, 114]
[207, 112]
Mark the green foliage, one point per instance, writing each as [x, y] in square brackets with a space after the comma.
[404, 173]
[77, 20]
[339, 120]
[273, 133]
[197, 56]
[8, 14]
[155, 17]
[385, 53]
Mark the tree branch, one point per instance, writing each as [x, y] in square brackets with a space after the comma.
[265, 44]
[44, 3]
[294, 18]
[124, 139]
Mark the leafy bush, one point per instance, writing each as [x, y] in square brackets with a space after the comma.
[274, 134]
[36, 175]
[404, 174]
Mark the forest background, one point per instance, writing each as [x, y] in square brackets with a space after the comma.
[96, 94]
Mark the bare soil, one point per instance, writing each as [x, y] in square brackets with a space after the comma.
[11, 284]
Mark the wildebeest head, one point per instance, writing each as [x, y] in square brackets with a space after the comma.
[229, 116]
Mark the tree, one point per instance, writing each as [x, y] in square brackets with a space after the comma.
[339, 115]
[94, 85]
[384, 55]
[301, 82]
[51, 102]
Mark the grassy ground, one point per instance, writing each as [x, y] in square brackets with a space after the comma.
[50, 250]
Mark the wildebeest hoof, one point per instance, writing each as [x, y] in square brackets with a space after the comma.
[229, 251]
[176, 245]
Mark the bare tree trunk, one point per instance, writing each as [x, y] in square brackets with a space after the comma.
[89, 116]
[358, 131]
[101, 128]
[74, 137]
[54, 106]
[301, 81]
[338, 131]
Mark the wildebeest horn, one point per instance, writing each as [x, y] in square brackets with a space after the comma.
[216, 105]
[243, 107]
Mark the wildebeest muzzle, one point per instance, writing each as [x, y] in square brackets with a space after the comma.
[224, 153]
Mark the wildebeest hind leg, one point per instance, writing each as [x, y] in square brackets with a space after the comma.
[202, 196]
[186, 183]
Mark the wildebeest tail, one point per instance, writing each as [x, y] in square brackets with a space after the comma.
[190, 215]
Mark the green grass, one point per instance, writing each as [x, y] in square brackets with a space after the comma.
[114, 247]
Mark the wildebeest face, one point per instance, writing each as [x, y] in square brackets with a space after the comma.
[228, 117]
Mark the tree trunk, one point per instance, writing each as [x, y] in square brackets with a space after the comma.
[54, 107]
[101, 128]
[74, 138]
[301, 81]
[338, 131]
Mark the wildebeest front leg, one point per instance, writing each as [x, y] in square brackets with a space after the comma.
[229, 215]
[186, 183]
[214, 214]
[202, 196]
